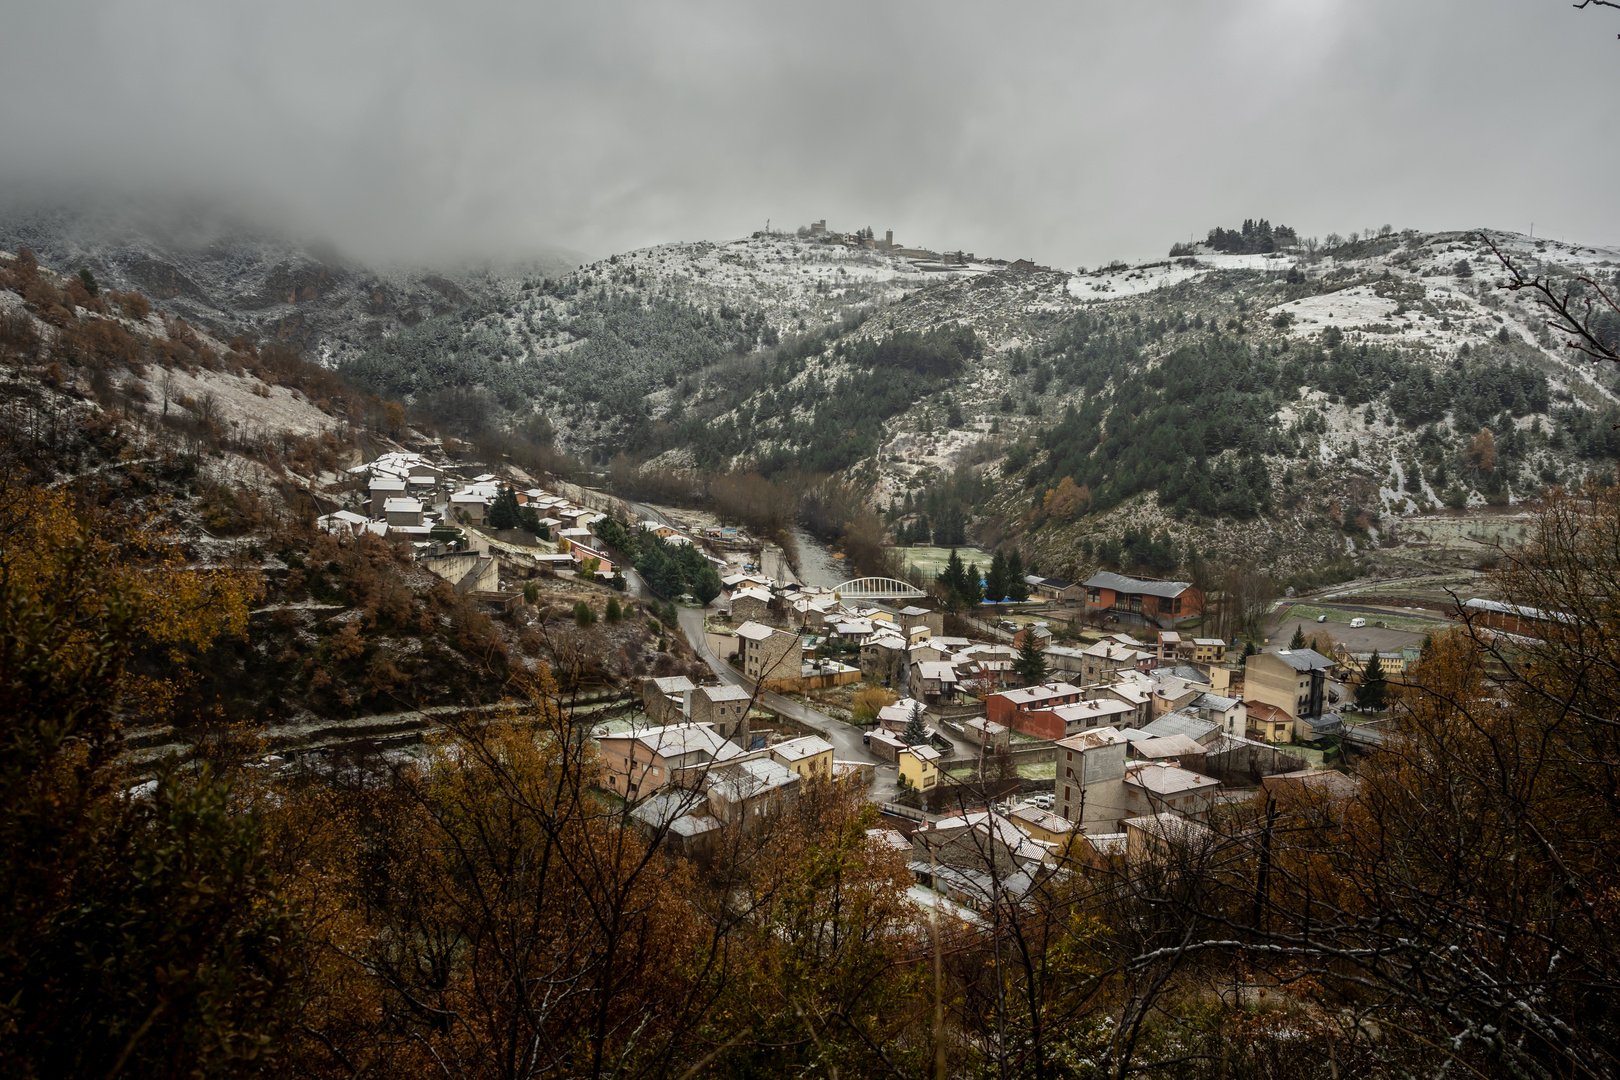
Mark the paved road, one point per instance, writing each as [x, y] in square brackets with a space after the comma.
[987, 628]
[846, 740]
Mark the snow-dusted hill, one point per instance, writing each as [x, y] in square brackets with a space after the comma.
[1379, 363]
[222, 274]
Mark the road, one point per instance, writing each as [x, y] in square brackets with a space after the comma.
[846, 740]
[987, 628]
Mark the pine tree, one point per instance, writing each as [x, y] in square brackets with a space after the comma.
[995, 582]
[1371, 693]
[953, 579]
[972, 591]
[707, 586]
[503, 512]
[915, 734]
[1298, 640]
[1031, 662]
[1017, 587]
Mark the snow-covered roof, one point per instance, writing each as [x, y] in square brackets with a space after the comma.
[806, 746]
[1167, 780]
[1033, 695]
[727, 692]
[900, 712]
[1094, 739]
[1120, 583]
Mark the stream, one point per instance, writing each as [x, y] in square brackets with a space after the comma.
[816, 564]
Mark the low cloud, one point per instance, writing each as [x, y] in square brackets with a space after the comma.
[1070, 133]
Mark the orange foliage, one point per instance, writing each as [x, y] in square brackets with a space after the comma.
[180, 610]
[1482, 451]
[1066, 500]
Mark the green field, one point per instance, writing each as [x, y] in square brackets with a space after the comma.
[1392, 622]
[931, 560]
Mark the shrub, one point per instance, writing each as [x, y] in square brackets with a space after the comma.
[866, 703]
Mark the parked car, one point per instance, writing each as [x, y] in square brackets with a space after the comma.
[1356, 624]
[1321, 618]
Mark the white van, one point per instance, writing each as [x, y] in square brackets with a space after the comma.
[1356, 623]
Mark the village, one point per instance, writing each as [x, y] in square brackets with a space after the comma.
[991, 745]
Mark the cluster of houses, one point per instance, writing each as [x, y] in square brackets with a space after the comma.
[1144, 737]
[692, 763]
[407, 496]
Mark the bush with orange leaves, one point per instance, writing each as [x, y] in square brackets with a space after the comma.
[138, 935]
[1066, 500]
[180, 610]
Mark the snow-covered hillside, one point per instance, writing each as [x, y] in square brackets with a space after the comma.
[224, 275]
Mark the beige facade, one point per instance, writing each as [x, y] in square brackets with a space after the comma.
[765, 653]
[638, 763]
[1290, 680]
[1090, 778]
[664, 700]
[725, 708]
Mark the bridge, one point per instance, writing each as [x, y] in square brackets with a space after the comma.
[877, 588]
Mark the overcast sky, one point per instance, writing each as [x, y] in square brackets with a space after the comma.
[1070, 132]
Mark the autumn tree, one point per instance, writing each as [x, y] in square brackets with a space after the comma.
[1447, 894]
[1066, 500]
[144, 934]
[1482, 451]
[866, 703]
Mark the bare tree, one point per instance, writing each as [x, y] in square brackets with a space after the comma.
[1576, 306]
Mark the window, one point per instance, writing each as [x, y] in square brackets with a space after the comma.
[1094, 596]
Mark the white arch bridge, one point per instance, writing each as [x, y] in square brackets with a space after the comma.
[877, 588]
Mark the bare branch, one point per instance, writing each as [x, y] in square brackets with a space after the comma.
[1570, 315]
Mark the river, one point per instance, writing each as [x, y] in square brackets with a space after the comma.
[816, 564]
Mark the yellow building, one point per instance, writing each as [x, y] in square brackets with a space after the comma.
[811, 757]
[1355, 663]
[919, 767]
[1042, 825]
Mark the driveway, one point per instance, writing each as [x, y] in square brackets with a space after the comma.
[846, 739]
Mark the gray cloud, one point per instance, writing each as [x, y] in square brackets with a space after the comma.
[1069, 132]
